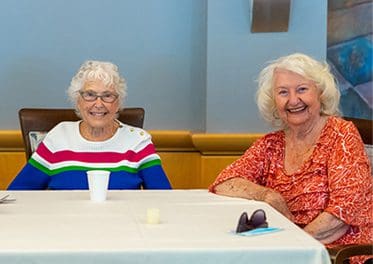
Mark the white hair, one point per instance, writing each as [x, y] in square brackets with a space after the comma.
[106, 72]
[307, 67]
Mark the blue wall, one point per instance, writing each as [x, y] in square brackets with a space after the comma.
[236, 56]
[191, 64]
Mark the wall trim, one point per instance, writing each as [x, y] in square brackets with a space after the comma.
[165, 141]
[172, 140]
[223, 144]
[11, 141]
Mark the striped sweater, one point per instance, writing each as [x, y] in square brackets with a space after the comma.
[63, 157]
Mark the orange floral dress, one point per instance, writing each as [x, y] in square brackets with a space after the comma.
[336, 178]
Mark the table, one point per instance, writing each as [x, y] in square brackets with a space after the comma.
[66, 227]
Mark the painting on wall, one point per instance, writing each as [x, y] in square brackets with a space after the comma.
[350, 55]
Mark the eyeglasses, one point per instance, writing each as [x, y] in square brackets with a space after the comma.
[90, 96]
[257, 219]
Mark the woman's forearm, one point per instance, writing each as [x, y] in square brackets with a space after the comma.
[238, 187]
[326, 228]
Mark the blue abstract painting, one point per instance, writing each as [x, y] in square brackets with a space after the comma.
[350, 54]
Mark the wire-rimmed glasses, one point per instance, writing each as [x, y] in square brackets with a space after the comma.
[91, 96]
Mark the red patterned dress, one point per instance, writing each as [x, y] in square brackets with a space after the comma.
[336, 178]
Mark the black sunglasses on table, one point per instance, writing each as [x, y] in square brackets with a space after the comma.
[257, 219]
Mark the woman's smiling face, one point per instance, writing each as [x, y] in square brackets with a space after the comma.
[97, 113]
[297, 99]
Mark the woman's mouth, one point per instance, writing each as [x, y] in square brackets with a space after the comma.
[98, 114]
[297, 109]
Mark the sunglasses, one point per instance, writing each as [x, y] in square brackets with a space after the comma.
[257, 219]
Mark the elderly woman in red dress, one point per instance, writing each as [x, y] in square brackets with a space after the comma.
[314, 169]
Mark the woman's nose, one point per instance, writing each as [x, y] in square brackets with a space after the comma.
[293, 98]
[99, 102]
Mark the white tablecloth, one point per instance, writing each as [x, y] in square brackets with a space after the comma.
[65, 227]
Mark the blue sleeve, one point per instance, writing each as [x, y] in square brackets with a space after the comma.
[154, 178]
[30, 178]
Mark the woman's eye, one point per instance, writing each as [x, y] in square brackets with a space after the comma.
[110, 96]
[302, 89]
[90, 94]
[283, 93]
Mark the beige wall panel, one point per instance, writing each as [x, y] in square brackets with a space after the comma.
[212, 165]
[10, 164]
[182, 168]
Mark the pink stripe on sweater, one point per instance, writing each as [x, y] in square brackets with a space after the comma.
[94, 157]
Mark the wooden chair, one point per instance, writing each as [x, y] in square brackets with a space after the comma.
[365, 127]
[341, 254]
[35, 122]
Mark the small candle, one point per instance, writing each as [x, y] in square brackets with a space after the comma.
[152, 216]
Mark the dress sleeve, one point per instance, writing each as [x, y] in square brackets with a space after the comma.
[349, 178]
[249, 166]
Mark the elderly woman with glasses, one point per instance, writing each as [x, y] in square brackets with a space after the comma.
[313, 169]
[97, 141]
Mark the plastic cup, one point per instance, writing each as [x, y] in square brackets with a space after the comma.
[98, 181]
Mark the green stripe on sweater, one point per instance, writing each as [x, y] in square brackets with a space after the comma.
[84, 168]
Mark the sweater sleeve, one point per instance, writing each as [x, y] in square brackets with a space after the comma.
[30, 178]
[155, 178]
[150, 167]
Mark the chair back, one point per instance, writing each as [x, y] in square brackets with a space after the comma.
[365, 127]
[36, 122]
[341, 254]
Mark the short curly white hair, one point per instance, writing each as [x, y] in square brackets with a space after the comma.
[309, 68]
[106, 72]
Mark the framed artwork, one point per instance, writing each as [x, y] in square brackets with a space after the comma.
[349, 53]
[270, 16]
